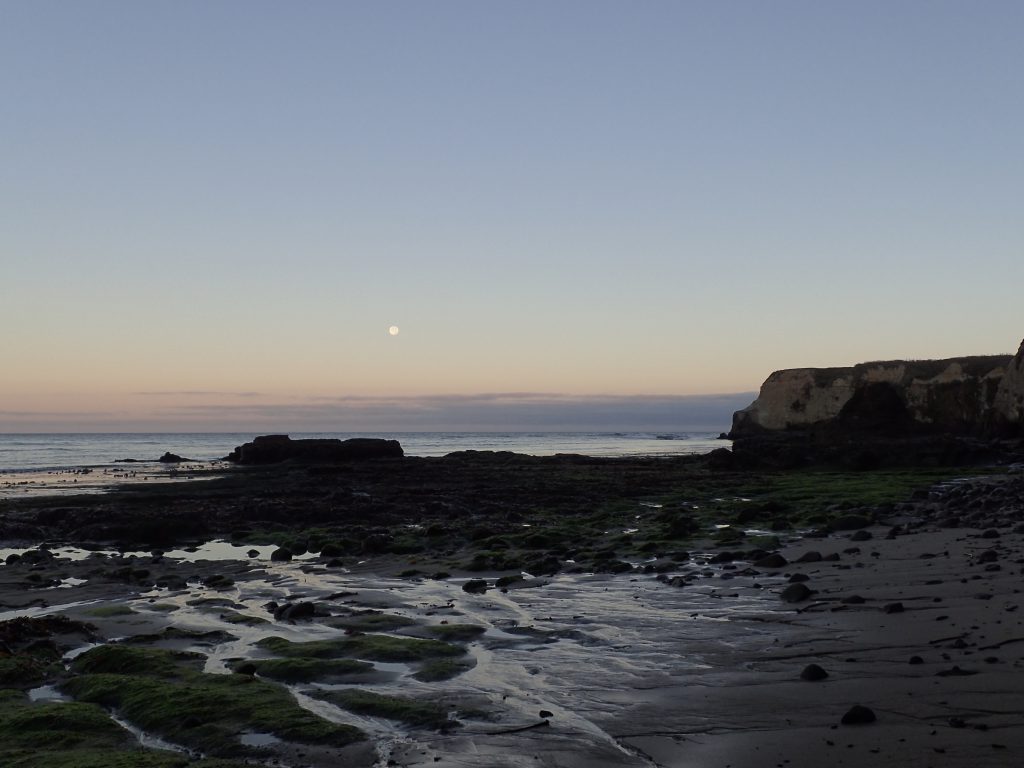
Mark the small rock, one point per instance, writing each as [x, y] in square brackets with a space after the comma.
[809, 557]
[956, 672]
[858, 715]
[893, 607]
[774, 560]
[795, 593]
[813, 673]
[850, 523]
[475, 586]
[281, 554]
[295, 611]
[546, 714]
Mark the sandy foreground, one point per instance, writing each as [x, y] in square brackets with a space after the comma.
[918, 623]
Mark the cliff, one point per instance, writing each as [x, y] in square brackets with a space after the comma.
[1009, 403]
[877, 405]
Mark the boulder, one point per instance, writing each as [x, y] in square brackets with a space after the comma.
[273, 449]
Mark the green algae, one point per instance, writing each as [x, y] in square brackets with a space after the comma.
[163, 693]
[110, 611]
[301, 670]
[412, 712]
[24, 671]
[369, 646]
[435, 670]
[456, 632]
[55, 725]
[73, 735]
[132, 660]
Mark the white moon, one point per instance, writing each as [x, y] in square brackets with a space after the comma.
[393, 330]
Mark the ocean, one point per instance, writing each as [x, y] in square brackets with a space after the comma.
[54, 463]
[27, 452]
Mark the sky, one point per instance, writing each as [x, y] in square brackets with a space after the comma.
[578, 213]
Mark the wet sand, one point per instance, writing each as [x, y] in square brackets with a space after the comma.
[632, 671]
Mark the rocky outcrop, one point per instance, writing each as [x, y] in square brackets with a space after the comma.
[1009, 402]
[273, 449]
[919, 408]
[958, 395]
[173, 458]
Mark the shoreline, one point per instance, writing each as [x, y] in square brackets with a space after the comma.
[689, 659]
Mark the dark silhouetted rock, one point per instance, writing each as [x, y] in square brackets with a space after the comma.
[273, 449]
[721, 459]
[295, 611]
[813, 673]
[281, 555]
[893, 607]
[809, 557]
[475, 586]
[858, 715]
[774, 560]
[172, 458]
[796, 593]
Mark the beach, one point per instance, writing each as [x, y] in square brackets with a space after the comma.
[636, 650]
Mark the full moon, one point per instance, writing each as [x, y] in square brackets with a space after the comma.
[393, 330]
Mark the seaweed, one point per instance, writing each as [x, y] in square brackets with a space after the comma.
[162, 692]
[369, 646]
[405, 710]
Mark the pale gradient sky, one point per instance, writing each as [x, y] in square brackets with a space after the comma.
[211, 212]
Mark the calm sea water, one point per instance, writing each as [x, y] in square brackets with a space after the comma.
[57, 452]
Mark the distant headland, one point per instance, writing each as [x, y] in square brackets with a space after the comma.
[886, 413]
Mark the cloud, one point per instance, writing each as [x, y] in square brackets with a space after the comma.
[197, 393]
[486, 411]
[508, 411]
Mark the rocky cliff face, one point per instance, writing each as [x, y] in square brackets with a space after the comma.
[1009, 403]
[831, 410]
[959, 395]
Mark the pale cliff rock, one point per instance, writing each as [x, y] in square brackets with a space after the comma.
[964, 396]
[1009, 403]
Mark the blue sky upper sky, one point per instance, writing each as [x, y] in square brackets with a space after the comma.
[563, 199]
